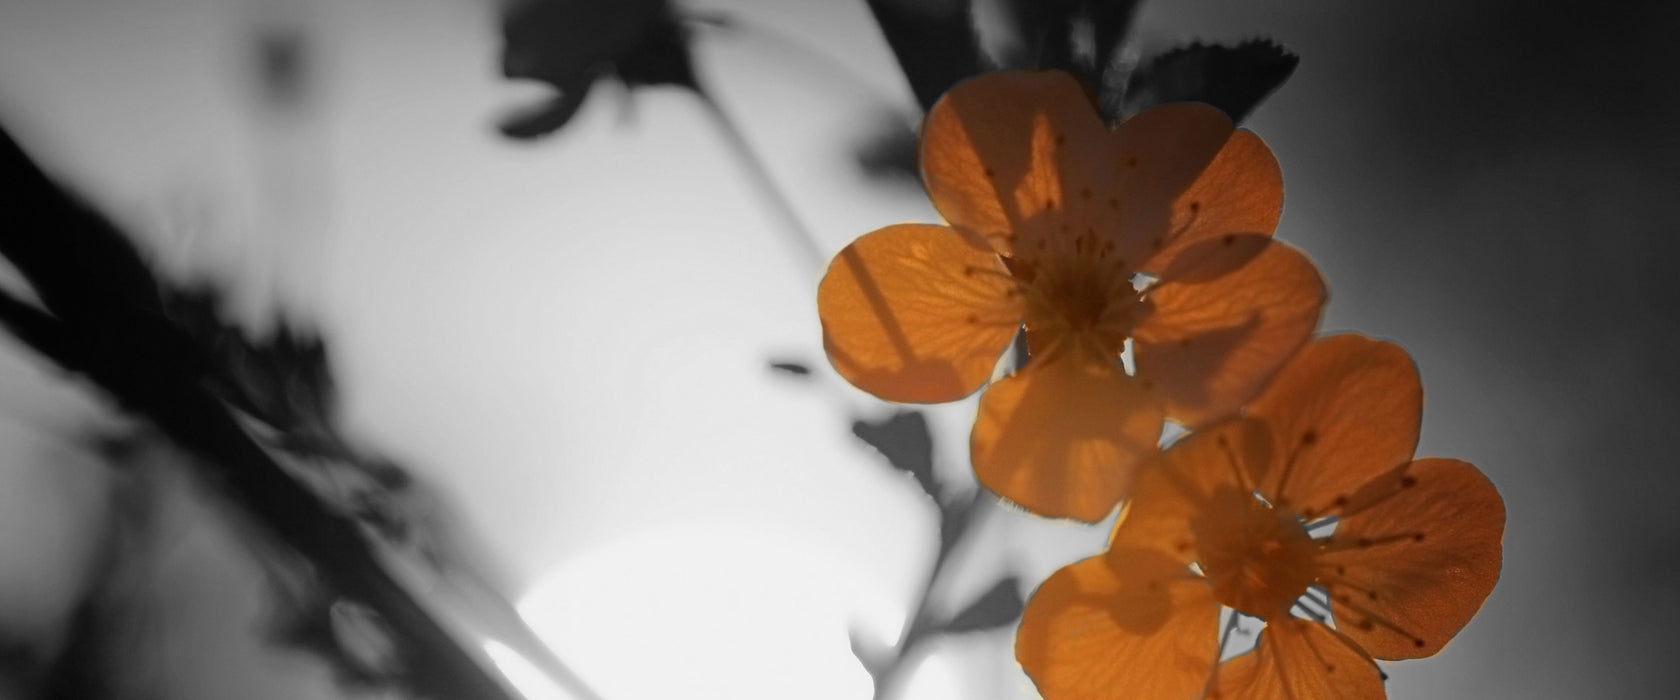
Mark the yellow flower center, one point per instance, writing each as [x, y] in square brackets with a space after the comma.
[1081, 302]
[1259, 559]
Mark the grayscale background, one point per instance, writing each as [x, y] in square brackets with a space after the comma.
[569, 337]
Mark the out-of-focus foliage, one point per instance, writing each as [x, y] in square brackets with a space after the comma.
[1233, 78]
[791, 367]
[1083, 37]
[102, 315]
[1079, 36]
[282, 380]
[570, 44]
[934, 41]
[904, 440]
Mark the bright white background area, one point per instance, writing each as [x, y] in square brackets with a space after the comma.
[570, 337]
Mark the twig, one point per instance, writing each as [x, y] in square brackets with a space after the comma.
[797, 233]
[921, 625]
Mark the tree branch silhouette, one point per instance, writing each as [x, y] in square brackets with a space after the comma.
[101, 317]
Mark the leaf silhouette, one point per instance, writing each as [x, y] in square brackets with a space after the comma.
[101, 315]
[283, 380]
[792, 367]
[998, 607]
[904, 440]
[1234, 79]
[934, 42]
[570, 44]
[888, 150]
[1046, 31]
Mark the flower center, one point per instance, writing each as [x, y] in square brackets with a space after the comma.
[1081, 302]
[1259, 559]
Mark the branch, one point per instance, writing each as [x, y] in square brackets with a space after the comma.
[106, 322]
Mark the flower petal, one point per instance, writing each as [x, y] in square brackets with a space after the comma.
[915, 314]
[1170, 491]
[1208, 346]
[1296, 660]
[1159, 154]
[1000, 149]
[1140, 629]
[1061, 438]
[1343, 411]
[1188, 177]
[1407, 572]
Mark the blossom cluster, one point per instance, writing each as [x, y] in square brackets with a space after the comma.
[1139, 262]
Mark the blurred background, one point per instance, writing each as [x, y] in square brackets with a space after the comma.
[570, 337]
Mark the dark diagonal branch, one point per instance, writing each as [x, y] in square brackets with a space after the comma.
[103, 319]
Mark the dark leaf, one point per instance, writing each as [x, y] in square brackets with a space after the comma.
[998, 607]
[1043, 29]
[934, 42]
[83, 270]
[283, 380]
[798, 369]
[569, 44]
[547, 116]
[888, 151]
[904, 440]
[1074, 35]
[1234, 79]
[1111, 21]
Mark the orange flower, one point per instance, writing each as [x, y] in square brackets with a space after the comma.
[1415, 550]
[1058, 221]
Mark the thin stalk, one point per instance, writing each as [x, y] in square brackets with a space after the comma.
[793, 228]
[920, 626]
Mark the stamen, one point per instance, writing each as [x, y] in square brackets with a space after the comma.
[1396, 482]
[1052, 349]
[1307, 438]
[1231, 459]
[1367, 592]
[1195, 213]
[1351, 646]
[1333, 544]
[1329, 668]
[1370, 618]
[976, 270]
